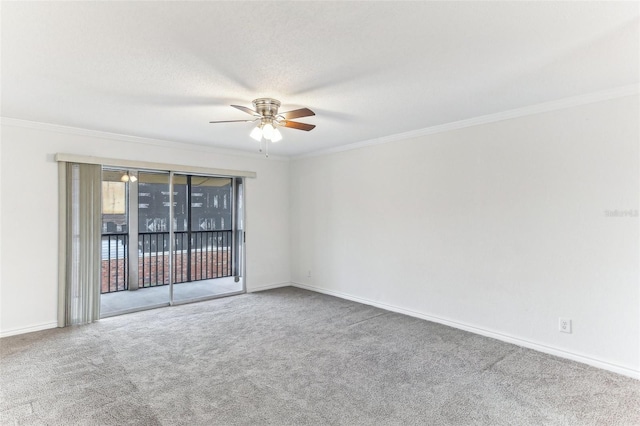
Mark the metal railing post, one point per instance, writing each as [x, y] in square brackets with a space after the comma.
[171, 240]
[132, 231]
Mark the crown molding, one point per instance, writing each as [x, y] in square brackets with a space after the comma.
[77, 131]
[574, 101]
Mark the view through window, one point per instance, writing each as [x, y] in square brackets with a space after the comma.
[136, 211]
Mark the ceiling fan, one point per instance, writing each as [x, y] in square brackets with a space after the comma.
[266, 111]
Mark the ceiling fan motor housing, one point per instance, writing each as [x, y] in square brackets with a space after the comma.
[266, 107]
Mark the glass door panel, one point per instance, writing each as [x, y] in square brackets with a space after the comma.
[204, 253]
[135, 241]
[154, 247]
[114, 260]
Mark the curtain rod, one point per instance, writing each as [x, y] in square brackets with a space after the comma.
[113, 162]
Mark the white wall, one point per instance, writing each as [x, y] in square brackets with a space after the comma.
[29, 213]
[498, 228]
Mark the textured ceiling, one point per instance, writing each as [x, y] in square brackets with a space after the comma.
[368, 69]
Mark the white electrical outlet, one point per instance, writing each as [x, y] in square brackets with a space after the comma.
[564, 325]
[309, 274]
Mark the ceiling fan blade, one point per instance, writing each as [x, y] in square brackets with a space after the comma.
[233, 121]
[299, 126]
[247, 110]
[297, 113]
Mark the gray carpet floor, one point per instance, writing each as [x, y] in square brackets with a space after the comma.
[294, 357]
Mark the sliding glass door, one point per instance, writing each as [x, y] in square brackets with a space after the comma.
[204, 232]
[169, 238]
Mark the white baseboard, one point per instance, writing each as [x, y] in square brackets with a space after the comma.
[619, 369]
[269, 287]
[23, 330]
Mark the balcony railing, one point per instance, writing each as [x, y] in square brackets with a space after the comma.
[199, 255]
[115, 265]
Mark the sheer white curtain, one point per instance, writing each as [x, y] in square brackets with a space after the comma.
[81, 244]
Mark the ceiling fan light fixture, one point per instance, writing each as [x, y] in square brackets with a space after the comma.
[276, 136]
[267, 131]
[256, 134]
